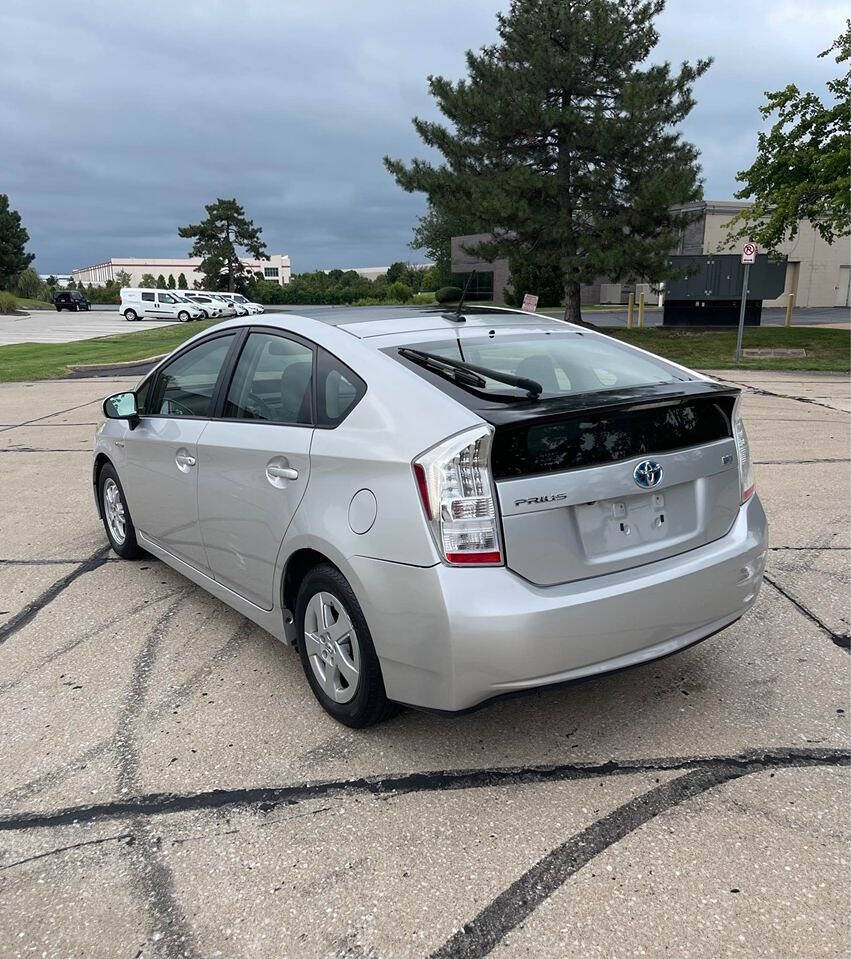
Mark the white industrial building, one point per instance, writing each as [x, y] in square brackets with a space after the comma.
[276, 269]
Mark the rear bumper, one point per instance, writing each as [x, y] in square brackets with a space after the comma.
[449, 638]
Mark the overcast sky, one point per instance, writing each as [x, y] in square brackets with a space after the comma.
[119, 120]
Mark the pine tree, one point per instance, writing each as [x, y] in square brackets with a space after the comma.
[13, 238]
[181, 282]
[564, 141]
[172, 283]
[161, 283]
[219, 236]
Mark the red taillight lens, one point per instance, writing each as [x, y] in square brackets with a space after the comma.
[419, 473]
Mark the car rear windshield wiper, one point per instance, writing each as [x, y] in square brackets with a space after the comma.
[475, 373]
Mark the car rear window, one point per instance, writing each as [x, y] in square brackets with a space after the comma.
[563, 363]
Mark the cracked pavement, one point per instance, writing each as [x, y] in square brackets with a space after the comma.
[169, 787]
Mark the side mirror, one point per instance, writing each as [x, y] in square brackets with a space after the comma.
[122, 406]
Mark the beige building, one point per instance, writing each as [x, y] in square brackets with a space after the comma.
[277, 269]
[817, 272]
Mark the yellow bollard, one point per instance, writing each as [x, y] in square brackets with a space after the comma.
[640, 311]
[630, 306]
[790, 305]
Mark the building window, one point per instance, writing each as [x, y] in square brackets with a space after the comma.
[271, 272]
[481, 288]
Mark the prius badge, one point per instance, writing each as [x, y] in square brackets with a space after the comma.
[648, 474]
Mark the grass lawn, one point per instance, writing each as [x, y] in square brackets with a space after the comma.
[25, 304]
[45, 361]
[700, 349]
[828, 350]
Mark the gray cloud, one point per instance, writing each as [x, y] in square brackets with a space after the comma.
[118, 121]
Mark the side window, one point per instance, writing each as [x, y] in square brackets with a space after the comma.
[148, 296]
[185, 387]
[167, 298]
[338, 389]
[272, 381]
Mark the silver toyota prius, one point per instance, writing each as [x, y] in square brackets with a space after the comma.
[438, 509]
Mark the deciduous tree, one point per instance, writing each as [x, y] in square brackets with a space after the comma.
[219, 237]
[148, 281]
[803, 167]
[563, 142]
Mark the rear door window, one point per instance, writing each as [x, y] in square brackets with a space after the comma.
[338, 389]
[272, 381]
[186, 386]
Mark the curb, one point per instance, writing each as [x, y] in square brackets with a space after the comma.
[116, 366]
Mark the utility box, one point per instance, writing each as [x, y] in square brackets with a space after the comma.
[709, 293]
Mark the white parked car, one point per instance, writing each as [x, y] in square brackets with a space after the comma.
[228, 307]
[210, 308]
[137, 301]
[239, 300]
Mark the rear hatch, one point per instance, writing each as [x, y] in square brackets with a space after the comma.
[572, 506]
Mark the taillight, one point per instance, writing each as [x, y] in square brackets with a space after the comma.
[455, 486]
[743, 449]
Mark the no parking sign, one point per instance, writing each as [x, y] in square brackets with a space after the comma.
[749, 252]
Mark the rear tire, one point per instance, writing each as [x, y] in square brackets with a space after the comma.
[340, 663]
[58, 309]
[131, 316]
[116, 516]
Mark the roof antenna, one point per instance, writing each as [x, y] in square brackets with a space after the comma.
[457, 316]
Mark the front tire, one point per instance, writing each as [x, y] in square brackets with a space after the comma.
[131, 316]
[183, 316]
[116, 516]
[336, 650]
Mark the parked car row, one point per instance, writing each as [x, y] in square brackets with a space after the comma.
[183, 305]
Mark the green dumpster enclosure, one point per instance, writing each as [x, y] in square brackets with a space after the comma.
[709, 292]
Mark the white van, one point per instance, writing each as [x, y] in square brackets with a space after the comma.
[137, 301]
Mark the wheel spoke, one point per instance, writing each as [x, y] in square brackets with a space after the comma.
[312, 644]
[348, 670]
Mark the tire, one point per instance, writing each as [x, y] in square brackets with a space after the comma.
[359, 703]
[131, 316]
[205, 315]
[116, 515]
[58, 309]
[183, 317]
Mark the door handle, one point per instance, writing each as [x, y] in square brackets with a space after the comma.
[281, 472]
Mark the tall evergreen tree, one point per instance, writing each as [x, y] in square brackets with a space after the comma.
[181, 282]
[218, 237]
[161, 283]
[564, 141]
[803, 168]
[172, 283]
[13, 239]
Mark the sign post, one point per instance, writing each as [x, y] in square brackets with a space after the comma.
[530, 303]
[748, 257]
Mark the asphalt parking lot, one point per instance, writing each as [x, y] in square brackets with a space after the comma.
[48, 326]
[171, 788]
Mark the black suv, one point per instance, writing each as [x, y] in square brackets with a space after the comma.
[71, 300]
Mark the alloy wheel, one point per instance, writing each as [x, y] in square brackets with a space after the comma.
[332, 646]
[113, 509]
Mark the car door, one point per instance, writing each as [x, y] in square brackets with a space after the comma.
[160, 475]
[166, 305]
[254, 462]
[148, 305]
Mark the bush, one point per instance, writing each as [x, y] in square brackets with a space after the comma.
[448, 294]
[399, 292]
[28, 284]
[8, 303]
[424, 298]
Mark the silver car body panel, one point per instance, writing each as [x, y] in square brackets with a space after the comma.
[447, 637]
